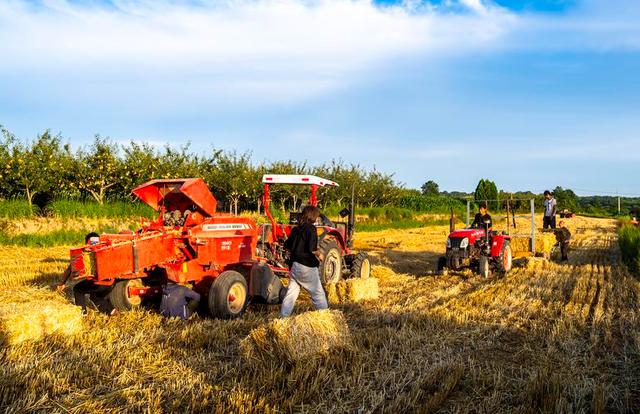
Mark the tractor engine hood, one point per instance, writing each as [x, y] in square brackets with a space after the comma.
[178, 194]
[471, 234]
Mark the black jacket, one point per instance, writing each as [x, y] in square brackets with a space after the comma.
[174, 300]
[302, 242]
[479, 220]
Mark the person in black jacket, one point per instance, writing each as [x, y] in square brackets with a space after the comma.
[482, 217]
[178, 300]
[305, 260]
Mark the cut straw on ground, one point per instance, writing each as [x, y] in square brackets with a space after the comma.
[309, 334]
[31, 314]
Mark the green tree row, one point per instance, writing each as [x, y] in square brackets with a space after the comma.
[45, 169]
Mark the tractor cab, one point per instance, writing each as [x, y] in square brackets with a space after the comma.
[334, 238]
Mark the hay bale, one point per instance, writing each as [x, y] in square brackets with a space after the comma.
[353, 290]
[544, 243]
[30, 314]
[307, 335]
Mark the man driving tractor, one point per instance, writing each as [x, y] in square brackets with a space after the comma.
[482, 218]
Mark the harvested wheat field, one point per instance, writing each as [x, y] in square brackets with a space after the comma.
[545, 338]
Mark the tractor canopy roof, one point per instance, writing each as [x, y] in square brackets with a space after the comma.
[178, 194]
[297, 179]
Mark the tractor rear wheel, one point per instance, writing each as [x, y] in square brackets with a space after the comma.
[361, 266]
[331, 265]
[505, 260]
[228, 295]
[121, 299]
[483, 266]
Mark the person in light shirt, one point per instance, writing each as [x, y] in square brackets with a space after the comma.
[550, 210]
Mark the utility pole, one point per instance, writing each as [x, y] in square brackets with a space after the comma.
[618, 205]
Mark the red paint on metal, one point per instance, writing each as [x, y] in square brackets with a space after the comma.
[180, 194]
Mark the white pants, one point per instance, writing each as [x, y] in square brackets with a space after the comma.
[309, 279]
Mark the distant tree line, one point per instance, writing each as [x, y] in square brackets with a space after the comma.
[45, 169]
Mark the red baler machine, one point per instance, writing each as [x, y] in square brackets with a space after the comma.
[188, 243]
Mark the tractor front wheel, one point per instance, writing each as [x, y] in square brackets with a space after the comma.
[361, 266]
[121, 299]
[331, 265]
[228, 295]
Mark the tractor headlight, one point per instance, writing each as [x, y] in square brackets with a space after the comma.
[448, 243]
[464, 243]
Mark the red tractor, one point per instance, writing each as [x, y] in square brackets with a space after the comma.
[334, 239]
[478, 248]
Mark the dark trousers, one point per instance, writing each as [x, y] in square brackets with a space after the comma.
[89, 295]
[549, 222]
[564, 250]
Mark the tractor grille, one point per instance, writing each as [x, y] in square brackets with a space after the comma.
[89, 261]
[455, 242]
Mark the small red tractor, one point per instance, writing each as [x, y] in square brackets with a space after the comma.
[334, 239]
[478, 248]
[215, 253]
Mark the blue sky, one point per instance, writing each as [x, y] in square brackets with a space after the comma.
[531, 94]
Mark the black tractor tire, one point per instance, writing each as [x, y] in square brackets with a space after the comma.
[453, 263]
[483, 267]
[331, 265]
[119, 295]
[505, 259]
[228, 295]
[361, 266]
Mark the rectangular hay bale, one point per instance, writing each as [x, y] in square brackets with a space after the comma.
[309, 334]
[30, 314]
[353, 290]
[544, 243]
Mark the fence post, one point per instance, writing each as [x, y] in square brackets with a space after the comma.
[468, 211]
[533, 227]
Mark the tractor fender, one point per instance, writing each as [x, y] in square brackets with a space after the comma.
[335, 235]
[496, 244]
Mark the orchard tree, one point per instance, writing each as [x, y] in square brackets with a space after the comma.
[36, 167]
[430, 188]
[232, 175]
[141, 162]
[6, 181]
[486, 190]
[98, 168]
[566, 199]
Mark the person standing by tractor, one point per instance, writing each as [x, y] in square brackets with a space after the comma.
[550, 207]
[86, 294]
[305, 260]
[482, 218]
[563, 235]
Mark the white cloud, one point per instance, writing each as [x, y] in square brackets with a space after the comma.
[271, 47]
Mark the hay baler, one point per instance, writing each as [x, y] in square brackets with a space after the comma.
[334, 239]
[188, 243]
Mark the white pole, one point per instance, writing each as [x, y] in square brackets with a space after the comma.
[533, 228]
